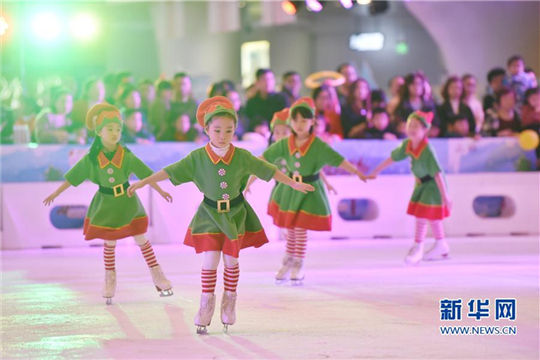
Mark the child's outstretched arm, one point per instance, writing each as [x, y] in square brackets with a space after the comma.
[162, 192]
[154, 178]
[350, 168]
[49, 199]
[302, 187]
[329, 186]
[386, 163]
[444, 192]
[251, 180]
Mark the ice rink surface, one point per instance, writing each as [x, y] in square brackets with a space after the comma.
[359, 301]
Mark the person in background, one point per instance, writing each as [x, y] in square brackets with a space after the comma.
[327, 107]
[182, 130]
[261, 107]
[380, 127]
[412, 98]
[378, 99]
[357, 109]
[517, 79]
[93, 92]
[453, 106]
[148, 94]
[134, 130]
[183, 101]
[530, 111]
[291, 86]
[503, 119]
[471, 100]
[458, 127]
[160, 109]
[349, 72]
[394, 86]
[495, 78]
[240, 109]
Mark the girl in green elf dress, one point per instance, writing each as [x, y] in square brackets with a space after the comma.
[113, 215]
[305, 155]
[429, 201]
[224, 223]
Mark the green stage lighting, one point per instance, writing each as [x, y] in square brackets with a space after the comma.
[84, 27]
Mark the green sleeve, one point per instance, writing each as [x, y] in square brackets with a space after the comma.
[260, 168]
[274, 151]
[138, 167]
[181, 171]
[432, 163]
[80, 172]
[328, 155]
[398, 153]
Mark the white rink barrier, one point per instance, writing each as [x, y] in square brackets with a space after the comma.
[26, 222]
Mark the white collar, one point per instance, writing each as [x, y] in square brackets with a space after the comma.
[220, 151]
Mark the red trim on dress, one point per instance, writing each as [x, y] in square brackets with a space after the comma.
[419, 149]
[304, 148]
[136, 227]
[215, 158]
[299, 219]
[220, 242]
[430, 212]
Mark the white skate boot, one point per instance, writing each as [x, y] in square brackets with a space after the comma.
[415, 254]
[283, 273]
[297, 272]
[109, 288]
[206, 311]
[228, 309]
[439, 251]
[163, 285]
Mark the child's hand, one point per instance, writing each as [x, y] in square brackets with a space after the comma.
[302, 187]
[331, 189]
[166, 196]
[48, 201]
[448, 203]
[133, 187]
[364, 177]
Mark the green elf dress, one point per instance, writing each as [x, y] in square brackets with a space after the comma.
[224, 220]
[112, 215]
[426, 200]
[293, 209]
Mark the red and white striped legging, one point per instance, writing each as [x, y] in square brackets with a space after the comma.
[421, 229]
[296, 242]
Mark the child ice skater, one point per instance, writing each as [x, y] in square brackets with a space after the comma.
[429, 202]
[224, 223]
[305, 155]
[113, 215]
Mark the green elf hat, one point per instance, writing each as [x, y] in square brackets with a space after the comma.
[305, 102]
[102, 114]
[280, 118]
[214, 106]
[424, 117]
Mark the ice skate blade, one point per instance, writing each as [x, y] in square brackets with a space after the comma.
[108, 301]
[165, 293]
[226, 328]
[201, 330]
[297, 282]
[281, 281]
[438, 258]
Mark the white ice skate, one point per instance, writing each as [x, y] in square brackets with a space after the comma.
[206, 311]
[297, 272]
[109, 288]
[415, 254]
[228, 309]
[439, 251]
[163, 285]
[283, 273]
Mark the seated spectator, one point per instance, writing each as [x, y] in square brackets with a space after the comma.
[291, 86]
[122, 79]
[458, 127]
[394, 86]
[349, 72]
[93, 92]
[471, 100]
[530, 72]
[264, 104]
[183, 101]
[134, 131]
[453, 106]
[413, 97]
[243, 122]
[327, 106]
[221, 88]
[518, 80]
[25, 120]
[378, 99]
[160, 109]
[182, 130]
[530, 111]
[54, 124]
[148, 94]
[503, 119]
[357, 110]
[321, 129]
[380, 127]
[495, 78]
